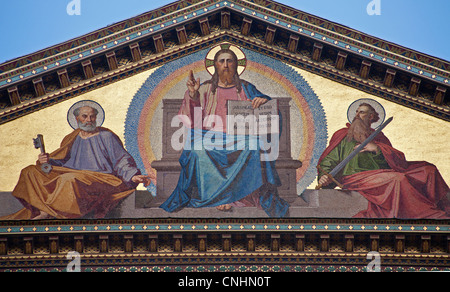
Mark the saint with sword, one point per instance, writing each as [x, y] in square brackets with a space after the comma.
[362, 159]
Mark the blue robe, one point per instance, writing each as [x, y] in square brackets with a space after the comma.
[211, 178]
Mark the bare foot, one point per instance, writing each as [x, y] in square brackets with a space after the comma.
[42, 216]
[224, 208]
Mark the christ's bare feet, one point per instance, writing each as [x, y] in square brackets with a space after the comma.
[224, 208]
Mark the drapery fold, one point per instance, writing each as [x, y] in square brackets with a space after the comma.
[215, 177]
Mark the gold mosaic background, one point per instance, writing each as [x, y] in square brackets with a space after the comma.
[419, 136]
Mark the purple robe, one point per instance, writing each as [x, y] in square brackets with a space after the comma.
[101, 153]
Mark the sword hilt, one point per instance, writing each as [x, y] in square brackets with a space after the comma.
[319, 186]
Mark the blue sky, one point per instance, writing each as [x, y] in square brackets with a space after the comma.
[27, 26]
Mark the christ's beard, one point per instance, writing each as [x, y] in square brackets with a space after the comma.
[358, 131]
[88, 127]
[227, 78]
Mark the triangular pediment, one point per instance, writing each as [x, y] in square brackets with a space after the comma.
[333, 51]
[135, 77]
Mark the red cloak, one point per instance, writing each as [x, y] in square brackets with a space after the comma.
[409, 190]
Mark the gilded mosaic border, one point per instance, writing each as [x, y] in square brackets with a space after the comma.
[186, 227]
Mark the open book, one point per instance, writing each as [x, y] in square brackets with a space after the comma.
[242, 119]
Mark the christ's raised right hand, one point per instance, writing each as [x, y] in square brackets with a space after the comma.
[193, 85]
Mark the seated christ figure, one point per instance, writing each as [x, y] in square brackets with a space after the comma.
[223, 178]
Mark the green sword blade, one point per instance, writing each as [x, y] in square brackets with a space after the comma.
[344, 162]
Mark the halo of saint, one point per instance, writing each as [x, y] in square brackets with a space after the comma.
[351, 113]
[71, 119]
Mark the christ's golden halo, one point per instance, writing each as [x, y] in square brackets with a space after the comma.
[242, 58]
